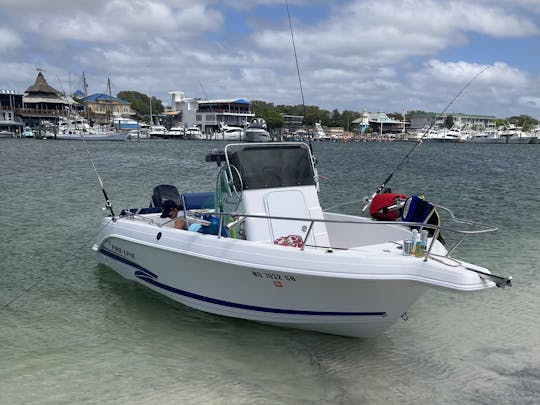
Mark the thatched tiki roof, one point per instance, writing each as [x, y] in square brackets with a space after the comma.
[41, 96]
[41, 87]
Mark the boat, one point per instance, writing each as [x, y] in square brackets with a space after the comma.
[137, 134]
[123, 123]
[320, 135]
[300, 135]
[230, 133]
[72, 124]
[514, 134]
[444, 135]
[256, 131]
[259, 247]
[194, 133]
[93, 136]
[27, 132]
[76, 128]
[490, 135]
[7, 134]
[157, 131]
[177, 132]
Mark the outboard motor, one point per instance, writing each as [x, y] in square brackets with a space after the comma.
[165, 192]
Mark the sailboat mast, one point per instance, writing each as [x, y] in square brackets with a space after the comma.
[110, 100]
[85, 88]
[151, 118]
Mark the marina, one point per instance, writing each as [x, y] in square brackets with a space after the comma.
[121, 343]
[44, 112]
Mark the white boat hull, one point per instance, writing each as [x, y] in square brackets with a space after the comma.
[120, 136]
[350, 292]
[286, 262]
[256, 135]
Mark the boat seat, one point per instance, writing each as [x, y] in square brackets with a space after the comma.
[416, 209]
[294, 202]
[199, 201]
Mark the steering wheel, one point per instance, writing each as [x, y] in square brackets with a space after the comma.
[229, 188]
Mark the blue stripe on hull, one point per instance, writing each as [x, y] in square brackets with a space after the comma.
[149, 277]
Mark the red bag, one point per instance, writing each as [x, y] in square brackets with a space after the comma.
[386, 206]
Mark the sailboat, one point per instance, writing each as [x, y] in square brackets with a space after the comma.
[75, 127]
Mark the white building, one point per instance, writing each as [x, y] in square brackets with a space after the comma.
[209, 114]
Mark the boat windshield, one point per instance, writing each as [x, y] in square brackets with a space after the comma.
[269, 166]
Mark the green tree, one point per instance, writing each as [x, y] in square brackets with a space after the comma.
[141, 103]
[347, 117]
[273, 119]
[449, 121]
[526, 122]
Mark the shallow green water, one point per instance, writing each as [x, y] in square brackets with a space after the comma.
[85, 335]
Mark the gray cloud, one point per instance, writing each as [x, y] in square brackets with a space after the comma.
[364, 54]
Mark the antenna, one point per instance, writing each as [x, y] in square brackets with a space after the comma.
[296, 58]
[204, 92]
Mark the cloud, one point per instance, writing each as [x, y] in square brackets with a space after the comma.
[9, 39]
[531, 102]
[353, 54]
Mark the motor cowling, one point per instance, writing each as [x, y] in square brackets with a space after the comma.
[165, 192]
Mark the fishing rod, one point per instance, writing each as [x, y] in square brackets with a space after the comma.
[419, 141]
[108, 204]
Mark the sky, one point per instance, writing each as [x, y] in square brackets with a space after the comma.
[358, 55]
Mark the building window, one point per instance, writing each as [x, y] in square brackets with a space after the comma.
[198, 117]
[126, 110]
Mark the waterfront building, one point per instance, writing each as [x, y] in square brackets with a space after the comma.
[292, 123]
[474, 122]
[461, 121]
[42, 102]
[210, 114]
[10, 101]
[103, 107]
[380, 123]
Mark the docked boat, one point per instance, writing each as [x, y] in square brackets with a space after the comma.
[256, 131]
[444, 135]
[125, 124]
[177, 132]
[261, 248]
[138, 134]
[6, 134]
[93, 136]
[319, 134]
[27, 132]
[485, 136]
[194, 133]
[230, 133]
[514, 134]
[157, 131]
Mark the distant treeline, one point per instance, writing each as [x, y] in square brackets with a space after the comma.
[140, 103]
